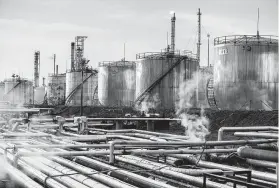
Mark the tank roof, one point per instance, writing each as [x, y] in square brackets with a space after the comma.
[247, 39]
[116, 64]
[166, 54]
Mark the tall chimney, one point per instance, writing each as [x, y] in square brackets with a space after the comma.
[56, 69]
[72, 56]
[36, 68]
[173, 32]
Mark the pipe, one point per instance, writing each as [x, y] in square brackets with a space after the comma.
[105, 179]
[261, 163]
[191, 172]
[20, 177]
[234, 129]
[209, 143]
[164, 170]
[257, 135]
[205, 164]
[78, 177]
[65, 180]
[258, 154]
[122, 174]
[24, 135]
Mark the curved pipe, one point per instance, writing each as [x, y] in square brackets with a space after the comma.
[247, 152]
[234, 129]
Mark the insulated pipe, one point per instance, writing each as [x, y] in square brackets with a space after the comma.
[105, 179]
[234, 129]
[66, 180]
[122, 174]
[247, 152]
[205, 164]
[164, 170]
[21, 178]
[185, 143]
[78, 177]
[261, 163]
[191, 172]
[24, 135]
[257, 135]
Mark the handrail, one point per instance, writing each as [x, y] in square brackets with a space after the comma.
[13, 87]
[236, 39]
[141, 96]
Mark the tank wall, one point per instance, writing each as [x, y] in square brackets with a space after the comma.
[166, 94]
[19, 92]
[116, 85]
[2, 91]
[90, 91]
[39, 95]
[56, 88]
[246, 76]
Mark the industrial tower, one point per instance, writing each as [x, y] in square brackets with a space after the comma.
[36, 68]
[80, 61]
[173, 33]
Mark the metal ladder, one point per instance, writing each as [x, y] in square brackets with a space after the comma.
[210, 94]
[147, 90]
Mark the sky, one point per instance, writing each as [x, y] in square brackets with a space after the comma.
[51, 25]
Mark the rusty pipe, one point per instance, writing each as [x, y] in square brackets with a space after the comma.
[234, 129]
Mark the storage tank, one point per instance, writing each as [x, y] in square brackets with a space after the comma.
[117, 83]
[56, 89]
[39, 95]
[90, 89]
[160, 76]
[18, 91]
[2, 90]
[246, 72]
[205, 73]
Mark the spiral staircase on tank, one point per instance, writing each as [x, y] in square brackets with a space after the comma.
[69, 97]
[156, 82]
[210, 94]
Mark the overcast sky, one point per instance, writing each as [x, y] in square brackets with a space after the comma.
[50, 26]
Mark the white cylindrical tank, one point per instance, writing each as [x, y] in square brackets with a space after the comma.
[39, 95]
[73, 88]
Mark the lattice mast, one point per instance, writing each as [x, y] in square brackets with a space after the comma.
[173, 32]
[80, 61]
[36, 68]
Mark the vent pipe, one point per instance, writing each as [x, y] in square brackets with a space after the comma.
[36, 68]
[72, 56]
[56, 69]
[173, 32]
[44, 84]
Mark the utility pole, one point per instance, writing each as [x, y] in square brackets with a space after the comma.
[208, 50]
